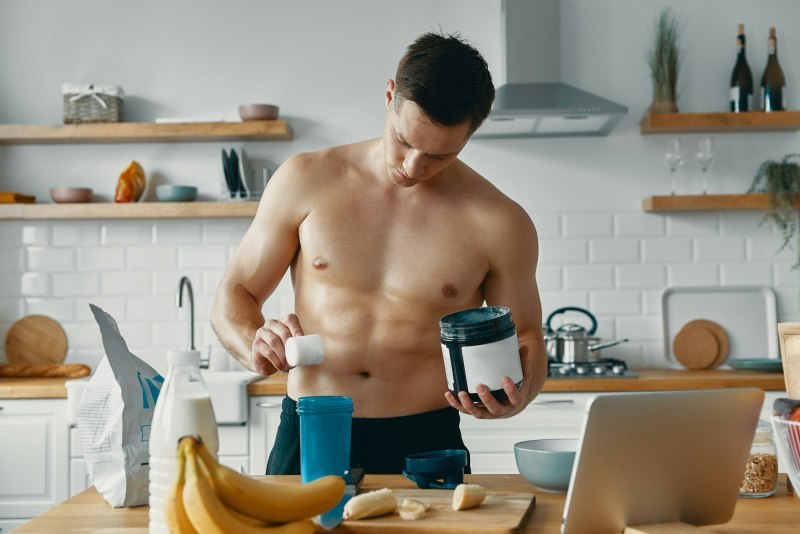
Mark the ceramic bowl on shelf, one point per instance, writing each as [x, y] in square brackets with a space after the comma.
[546, 463]
[70, 195]
[176, 193]
[258, 112]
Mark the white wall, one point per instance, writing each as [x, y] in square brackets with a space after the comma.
[325, 62]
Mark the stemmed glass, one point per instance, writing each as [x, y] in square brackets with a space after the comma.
[705, 158]
[673, 158]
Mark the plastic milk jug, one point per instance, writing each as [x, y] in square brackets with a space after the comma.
[183, 408]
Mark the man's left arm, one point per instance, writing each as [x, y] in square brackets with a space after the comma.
[511, 282]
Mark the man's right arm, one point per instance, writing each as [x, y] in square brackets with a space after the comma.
[257, 267]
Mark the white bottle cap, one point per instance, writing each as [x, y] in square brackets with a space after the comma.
[305, 350]
[183, 357]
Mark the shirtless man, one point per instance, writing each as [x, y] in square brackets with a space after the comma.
[384, 237]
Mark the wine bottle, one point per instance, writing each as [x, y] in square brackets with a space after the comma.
[741, 79]
[772, 82]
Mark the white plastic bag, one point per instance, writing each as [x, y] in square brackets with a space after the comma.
[114, 419]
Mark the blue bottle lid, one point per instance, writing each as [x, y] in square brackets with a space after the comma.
[324, 404]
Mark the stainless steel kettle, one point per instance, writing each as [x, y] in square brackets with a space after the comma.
[571, 342]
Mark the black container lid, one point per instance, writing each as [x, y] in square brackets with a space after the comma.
[477, 324]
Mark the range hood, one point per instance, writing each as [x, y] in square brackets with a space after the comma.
[534, 102]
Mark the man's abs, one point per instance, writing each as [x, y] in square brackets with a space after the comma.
[385, 377]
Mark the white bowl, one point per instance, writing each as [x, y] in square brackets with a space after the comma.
[546, 463]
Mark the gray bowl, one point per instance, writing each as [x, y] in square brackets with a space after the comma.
[176, 193]
[546, 463]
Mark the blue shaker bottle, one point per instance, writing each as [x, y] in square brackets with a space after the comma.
[325, 429]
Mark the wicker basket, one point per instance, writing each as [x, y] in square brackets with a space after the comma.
[92, 104]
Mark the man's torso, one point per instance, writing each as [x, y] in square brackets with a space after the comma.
[376, 270]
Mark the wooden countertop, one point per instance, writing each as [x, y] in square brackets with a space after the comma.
[33, 388]
[87, 512]
[648, 380]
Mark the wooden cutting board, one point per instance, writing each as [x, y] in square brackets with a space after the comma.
[701, 344]
[500, 513]
[36, 339]
[720, 334]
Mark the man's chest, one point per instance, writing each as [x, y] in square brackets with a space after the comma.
[426, 257]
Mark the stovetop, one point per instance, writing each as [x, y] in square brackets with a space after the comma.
[604, 368]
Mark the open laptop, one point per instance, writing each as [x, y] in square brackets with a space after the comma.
[660, 457]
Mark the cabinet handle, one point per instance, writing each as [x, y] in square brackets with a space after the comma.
[554, 401]
[267, 405]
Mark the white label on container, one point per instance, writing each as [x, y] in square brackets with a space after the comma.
[488, 364]
[735, 93]
[448, 368]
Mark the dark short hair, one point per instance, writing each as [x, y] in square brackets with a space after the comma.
[447, 78]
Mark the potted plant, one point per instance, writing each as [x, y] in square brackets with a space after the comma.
[664, 59]
[780, 181]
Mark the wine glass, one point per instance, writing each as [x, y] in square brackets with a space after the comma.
[673, 158]
[705, 157]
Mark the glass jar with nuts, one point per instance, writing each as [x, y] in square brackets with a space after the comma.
[761, 470]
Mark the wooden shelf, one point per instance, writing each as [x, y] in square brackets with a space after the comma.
[139, 210]
[144, 132]
[708, 202]
[753, 121]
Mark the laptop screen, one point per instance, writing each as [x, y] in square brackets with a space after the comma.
[660, 457]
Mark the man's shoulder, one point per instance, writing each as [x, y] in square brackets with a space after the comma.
[490, 205]
[484, 193]
[326, 163]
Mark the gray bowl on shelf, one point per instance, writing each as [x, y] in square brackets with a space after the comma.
[176, 193]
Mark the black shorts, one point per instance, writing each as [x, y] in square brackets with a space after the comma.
[379, 446]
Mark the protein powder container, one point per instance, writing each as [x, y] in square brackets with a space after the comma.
[479, 346]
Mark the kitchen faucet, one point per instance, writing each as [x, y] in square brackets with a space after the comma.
[185, 283]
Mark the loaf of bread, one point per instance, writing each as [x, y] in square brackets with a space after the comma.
[52, 370]
[131, 184]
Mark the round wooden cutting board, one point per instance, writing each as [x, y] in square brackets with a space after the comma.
[36, 339]
[720, 334]
[696, 347]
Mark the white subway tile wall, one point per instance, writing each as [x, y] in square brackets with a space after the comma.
[614, 264]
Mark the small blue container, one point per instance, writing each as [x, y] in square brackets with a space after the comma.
[326, 424]
[325, 428]
[442, 469]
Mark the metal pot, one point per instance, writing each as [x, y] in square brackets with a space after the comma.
[572, 343]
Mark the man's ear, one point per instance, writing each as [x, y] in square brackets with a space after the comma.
[389, 92]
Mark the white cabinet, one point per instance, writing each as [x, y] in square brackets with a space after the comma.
[234, 447]
[265, 416]
[33, 457]
[550, 415]
[233, 452]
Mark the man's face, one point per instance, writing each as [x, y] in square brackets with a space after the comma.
[415, 148]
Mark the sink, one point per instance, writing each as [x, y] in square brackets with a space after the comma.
[228, 391]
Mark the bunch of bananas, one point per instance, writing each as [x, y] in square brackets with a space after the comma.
[209, 498]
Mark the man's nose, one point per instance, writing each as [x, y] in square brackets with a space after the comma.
[414, 164]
